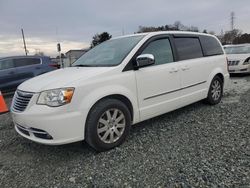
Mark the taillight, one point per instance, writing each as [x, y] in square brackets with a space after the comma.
[54, 65]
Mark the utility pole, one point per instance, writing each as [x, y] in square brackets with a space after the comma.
[24, 44]
[60, 55]
[232, 18]
[59, 50]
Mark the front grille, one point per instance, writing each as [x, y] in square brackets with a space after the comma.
[21, 100]
[233, 63]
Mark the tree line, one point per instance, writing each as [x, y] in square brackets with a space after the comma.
[177, 26]
[234, 37]
[229, 37]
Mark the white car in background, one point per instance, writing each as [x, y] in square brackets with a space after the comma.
[238, 58]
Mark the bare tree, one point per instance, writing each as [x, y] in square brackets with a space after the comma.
[230, 36]
[39, 53]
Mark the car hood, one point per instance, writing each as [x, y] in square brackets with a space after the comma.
[61, 78]
[241, 57]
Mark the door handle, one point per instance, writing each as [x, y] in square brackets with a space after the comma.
[185, 68]
[173, 70]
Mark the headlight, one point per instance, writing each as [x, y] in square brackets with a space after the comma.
[247, 61]
[56, 97]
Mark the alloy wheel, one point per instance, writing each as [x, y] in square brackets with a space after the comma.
[111, 125]
[216, 90]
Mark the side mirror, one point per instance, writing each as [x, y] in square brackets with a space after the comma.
[145, 60]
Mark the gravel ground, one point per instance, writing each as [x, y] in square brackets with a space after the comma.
[196, 146]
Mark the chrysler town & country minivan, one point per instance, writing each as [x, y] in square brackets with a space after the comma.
[118, 83]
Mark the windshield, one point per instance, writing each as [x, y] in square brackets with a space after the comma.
[109, 53]
[237, 50]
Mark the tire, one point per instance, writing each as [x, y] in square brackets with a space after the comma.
[106, 118]
[215, 92]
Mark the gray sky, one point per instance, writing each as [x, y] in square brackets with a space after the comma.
[74, 22]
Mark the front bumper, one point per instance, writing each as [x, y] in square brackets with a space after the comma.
[239, 69]
[48, 125]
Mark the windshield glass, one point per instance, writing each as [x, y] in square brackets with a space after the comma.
[109, 53]
[237, 50]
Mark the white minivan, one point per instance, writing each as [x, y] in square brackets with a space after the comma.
[118, 83]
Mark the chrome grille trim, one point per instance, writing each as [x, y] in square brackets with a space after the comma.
[21, 100]
[233, 63]
[32, 130]
[38, 133]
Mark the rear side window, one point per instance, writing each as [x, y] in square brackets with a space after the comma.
[26, 61]
[162, 51]
[6, 64]
[210, 46]
[188, 48]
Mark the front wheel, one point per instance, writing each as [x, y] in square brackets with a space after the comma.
[215, 92]
[108, 124]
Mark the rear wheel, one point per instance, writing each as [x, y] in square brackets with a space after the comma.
[108, 124]
[215, 92]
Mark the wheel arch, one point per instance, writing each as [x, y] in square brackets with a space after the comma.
[220, 75]
[216, 72]
[124, 95]
[121, 98]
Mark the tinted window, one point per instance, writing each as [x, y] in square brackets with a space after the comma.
[161, 49]
[26, 61]
[6, 64]
[188, 48]
[210, 46]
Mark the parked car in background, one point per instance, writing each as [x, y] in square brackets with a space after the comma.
[238, 58]
[17, 69]
[118, 83]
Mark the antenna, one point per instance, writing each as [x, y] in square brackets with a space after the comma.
[221, 32]
[123, 32]
[24, 43]
[57, 38]
[232, 18]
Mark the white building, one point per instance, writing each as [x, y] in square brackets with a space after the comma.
[73, 55]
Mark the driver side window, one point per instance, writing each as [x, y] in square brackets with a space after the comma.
[161, 49]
